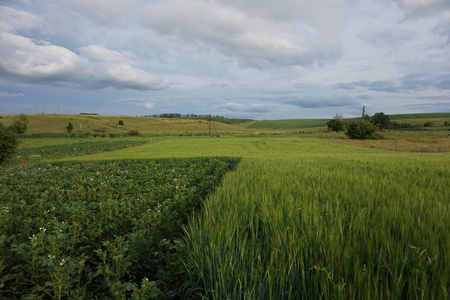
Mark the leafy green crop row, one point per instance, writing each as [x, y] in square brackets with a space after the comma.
[98, 230]
[33, 154]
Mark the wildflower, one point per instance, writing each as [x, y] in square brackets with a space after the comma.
[63, 262]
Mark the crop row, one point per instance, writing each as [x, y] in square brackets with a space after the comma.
[28, 155]
[98, 230]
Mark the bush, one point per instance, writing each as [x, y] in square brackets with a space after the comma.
[8, 143]
[381, 120]
[69, 128]
[428, 124]
[336, 125]
[361, 130]
[20, 125]
[121, 122]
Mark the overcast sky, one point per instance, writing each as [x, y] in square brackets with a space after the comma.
[259, 59]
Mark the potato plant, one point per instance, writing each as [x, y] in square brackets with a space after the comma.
[98, 230]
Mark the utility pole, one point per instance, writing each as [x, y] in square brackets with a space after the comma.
[211, 122]
[363, 113]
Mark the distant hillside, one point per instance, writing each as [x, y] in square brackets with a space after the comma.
[420, 116]
[289, 124]
[438, 118]
[201, 117]
[104, 123]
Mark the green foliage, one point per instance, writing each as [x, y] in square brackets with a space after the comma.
[361, 130]
[99, 230]
[420, 116]
[121, 122]
[336, 125]
[35, 154]
[344, 227]
[85, 134]
[8, 143]
[69, 128]
[428, 124]
[20, 125]
[381, 120]
[397, 125]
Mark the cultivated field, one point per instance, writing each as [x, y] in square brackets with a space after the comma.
[297, 218]
[104, 124]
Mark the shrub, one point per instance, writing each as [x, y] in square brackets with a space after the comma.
[381, 120]
[121, 122]
[336, 125]
[8, 143]
[20, 125]
[361, 130]
[428, 124]
[69, 128]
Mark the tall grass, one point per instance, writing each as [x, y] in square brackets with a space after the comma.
[326, 228]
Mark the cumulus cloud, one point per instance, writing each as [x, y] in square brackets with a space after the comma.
[101, 53]
[253, 39]
[386, 36]
[41, 62]
[12, 20]
[22, 57]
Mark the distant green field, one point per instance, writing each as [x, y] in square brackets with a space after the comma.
[289, 124]
[420, 116]
[415, 119]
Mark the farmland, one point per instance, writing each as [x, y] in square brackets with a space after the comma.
[96, 230]
[294, 217]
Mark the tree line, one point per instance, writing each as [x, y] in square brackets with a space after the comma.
[367, 127]
[221, 119]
